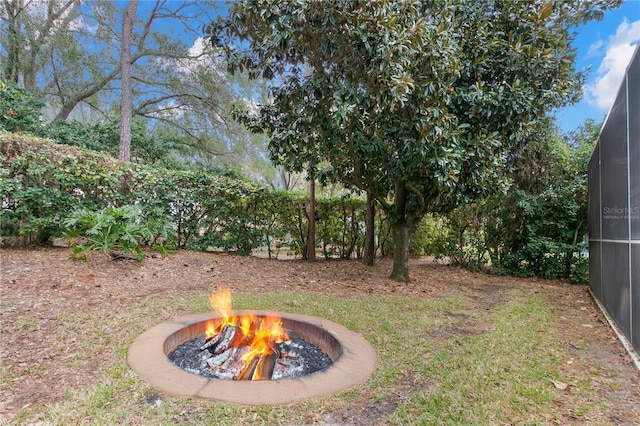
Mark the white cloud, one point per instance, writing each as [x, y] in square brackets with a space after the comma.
[200, 56]
[619, 49]
[595, 48]
[39, 12]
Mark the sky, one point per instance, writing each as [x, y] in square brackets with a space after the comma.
[604, 48]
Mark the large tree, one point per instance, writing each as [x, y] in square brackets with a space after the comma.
[68, 53]
[126, 97]
[416, 103]
[31, 32]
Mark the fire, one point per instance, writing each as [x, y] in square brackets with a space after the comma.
[258, 335]
[221, 304]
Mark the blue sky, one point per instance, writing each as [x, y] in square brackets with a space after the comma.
[605, 47]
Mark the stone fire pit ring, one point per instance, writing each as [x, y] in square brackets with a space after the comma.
[353, 362]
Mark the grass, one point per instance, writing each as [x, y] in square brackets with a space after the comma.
[493, 377]
[440, 361]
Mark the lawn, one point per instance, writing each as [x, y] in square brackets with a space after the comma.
[453, 347]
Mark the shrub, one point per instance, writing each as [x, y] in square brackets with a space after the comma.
[19, 110]
[115, 231]
[42, 182]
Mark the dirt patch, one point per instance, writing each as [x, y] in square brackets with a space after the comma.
[41, 288]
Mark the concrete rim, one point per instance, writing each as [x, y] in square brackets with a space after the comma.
[353, 366]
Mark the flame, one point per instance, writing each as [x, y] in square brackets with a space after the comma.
[221, 304]
[269, 331]
[260, 334]
[221, 301]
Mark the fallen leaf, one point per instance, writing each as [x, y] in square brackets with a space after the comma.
[560, 385]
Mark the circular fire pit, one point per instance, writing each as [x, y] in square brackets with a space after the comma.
[353, 362]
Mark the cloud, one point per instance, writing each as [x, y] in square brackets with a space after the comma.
[595, 48]
[200, 56]
[619, 49]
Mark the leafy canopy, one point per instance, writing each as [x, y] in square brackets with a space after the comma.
[423, 99]
[417, 103]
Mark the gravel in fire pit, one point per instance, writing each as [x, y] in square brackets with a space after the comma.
[299, 358]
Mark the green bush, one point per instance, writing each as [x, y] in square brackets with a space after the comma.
[42, 182]
[105, 137]
[458, 237]
[19, 110]
[580, 268]
[423, 239]
[116, 231]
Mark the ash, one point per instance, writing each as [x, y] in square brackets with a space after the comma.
[297, 358]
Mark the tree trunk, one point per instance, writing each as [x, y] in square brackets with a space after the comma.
[401, 229]
[311, 214]
[401, 236]
[370, 233]
[11, 68]
[126, 104]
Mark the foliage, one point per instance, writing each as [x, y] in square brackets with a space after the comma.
[43, 182]
[20, 112]
[428, 236]
[538, 226]
[342, 227]
[104, 137]
[547, 239]
[97, 137]
[418, 104]
[534, 232]
[182, 94]
[114, 230]
[19, 109]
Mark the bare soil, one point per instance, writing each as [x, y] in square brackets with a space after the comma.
[40, 287]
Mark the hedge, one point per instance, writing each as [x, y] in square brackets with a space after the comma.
[43, 183]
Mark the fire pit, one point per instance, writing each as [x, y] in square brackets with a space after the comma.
[352, 360]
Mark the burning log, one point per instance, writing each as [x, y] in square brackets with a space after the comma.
[221, 342]
[223, 365]
[259, 367]
[211, 341]
[222, 360]
[264, 369]
[247, 371]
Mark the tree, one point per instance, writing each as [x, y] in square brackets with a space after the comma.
[311, 216]
[67, 52]
[32, 33]
[369, 255]
[126, 98]
[538, 226]
[418, 104]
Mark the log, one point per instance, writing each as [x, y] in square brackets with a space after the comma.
[260, 367]
[226, 339]
[222, 359]
[247, 371]
[264, 369]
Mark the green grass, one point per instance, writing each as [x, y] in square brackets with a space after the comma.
[502, 376]
[497, 369]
